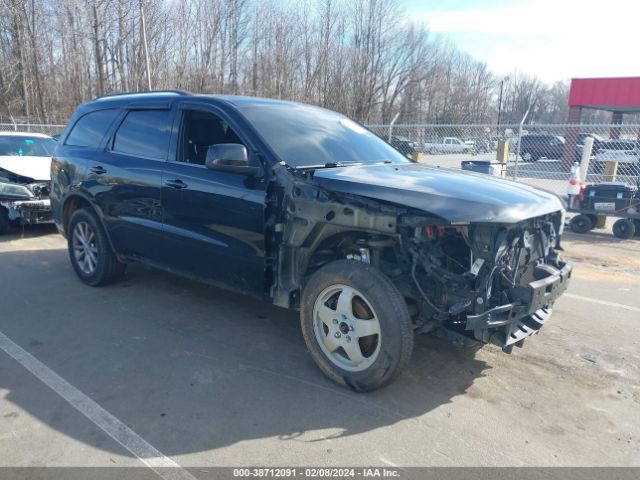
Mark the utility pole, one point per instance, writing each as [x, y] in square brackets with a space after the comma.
[146, 46]
[505, 79]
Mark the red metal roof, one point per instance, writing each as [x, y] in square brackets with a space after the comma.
[615, 94]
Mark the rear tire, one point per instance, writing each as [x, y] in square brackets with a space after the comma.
[624, 228]
[90, 252]
[5, 224]
[356, 325]
[581, 224]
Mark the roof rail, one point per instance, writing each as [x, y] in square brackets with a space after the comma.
[176, 92]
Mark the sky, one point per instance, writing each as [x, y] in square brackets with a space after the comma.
[552, 39]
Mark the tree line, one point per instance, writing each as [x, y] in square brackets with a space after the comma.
[365, 58]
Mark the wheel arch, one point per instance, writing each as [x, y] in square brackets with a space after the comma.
[75, 202]
[325, 244]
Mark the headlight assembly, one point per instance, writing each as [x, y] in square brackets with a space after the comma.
[10, 191]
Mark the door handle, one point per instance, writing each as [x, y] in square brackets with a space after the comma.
[177, 184]
[98, 170]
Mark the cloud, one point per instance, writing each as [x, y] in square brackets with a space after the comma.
[554, 39]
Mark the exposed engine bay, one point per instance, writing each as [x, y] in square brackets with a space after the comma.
[491, 283]
[488, 282]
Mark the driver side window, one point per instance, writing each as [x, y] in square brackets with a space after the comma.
[198, 131]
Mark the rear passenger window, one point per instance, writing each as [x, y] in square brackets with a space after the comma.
[89, 130]
[144, 133]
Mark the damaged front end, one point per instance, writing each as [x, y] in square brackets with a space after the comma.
[23, 199]
[491, 277]
[486, 282]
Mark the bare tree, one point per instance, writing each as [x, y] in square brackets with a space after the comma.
[365, 58]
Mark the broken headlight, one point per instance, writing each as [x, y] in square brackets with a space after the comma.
[15, 192]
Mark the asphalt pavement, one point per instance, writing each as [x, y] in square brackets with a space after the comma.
[161, 371]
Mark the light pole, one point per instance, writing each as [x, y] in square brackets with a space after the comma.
[146, 46]
[505, 79]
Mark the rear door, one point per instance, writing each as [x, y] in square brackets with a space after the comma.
[125, 179]
[213, 220]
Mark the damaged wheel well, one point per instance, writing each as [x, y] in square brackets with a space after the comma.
[329, 243]
[362, 246]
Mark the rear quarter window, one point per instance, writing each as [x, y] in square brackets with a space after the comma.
[144, 133]
[91, 128]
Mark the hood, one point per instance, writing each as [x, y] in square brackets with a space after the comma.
[38, 168]
[455, 196]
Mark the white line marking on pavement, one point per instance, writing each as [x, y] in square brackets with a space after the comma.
[602, 302]
[146, 453]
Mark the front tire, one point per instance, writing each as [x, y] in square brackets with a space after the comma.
[356, 325]
[89, 251]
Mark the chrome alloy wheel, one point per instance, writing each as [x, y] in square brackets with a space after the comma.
[85, 249]
[347, 328]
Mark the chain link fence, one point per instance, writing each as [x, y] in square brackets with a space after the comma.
[47, 129]
[540, 155]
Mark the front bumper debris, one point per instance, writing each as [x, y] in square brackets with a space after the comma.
[29, 211]
[507, 324]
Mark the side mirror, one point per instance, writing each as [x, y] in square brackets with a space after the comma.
[230, 157]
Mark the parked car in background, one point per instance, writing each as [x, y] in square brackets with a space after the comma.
[533, 147]
[600, 143]
[25, 164]
[308, 210]
[628, 160]
[404, 145]
[448, 145]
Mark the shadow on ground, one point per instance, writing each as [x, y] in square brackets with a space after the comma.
[192, 368]
[18, 232]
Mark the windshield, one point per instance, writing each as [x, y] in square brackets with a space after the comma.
[19, 145]
[304, 136]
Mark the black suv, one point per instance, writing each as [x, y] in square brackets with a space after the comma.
[308, 210]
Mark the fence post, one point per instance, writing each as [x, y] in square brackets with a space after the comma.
[502, 155]
[515, 169]
[610, 171]
[586, 158]
[391, 125]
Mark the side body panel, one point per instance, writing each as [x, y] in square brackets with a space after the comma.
[214, 221]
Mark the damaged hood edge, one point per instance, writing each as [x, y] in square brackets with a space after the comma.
[456, 196]
[38, 168]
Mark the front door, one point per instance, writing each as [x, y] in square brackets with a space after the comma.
[213, 221]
